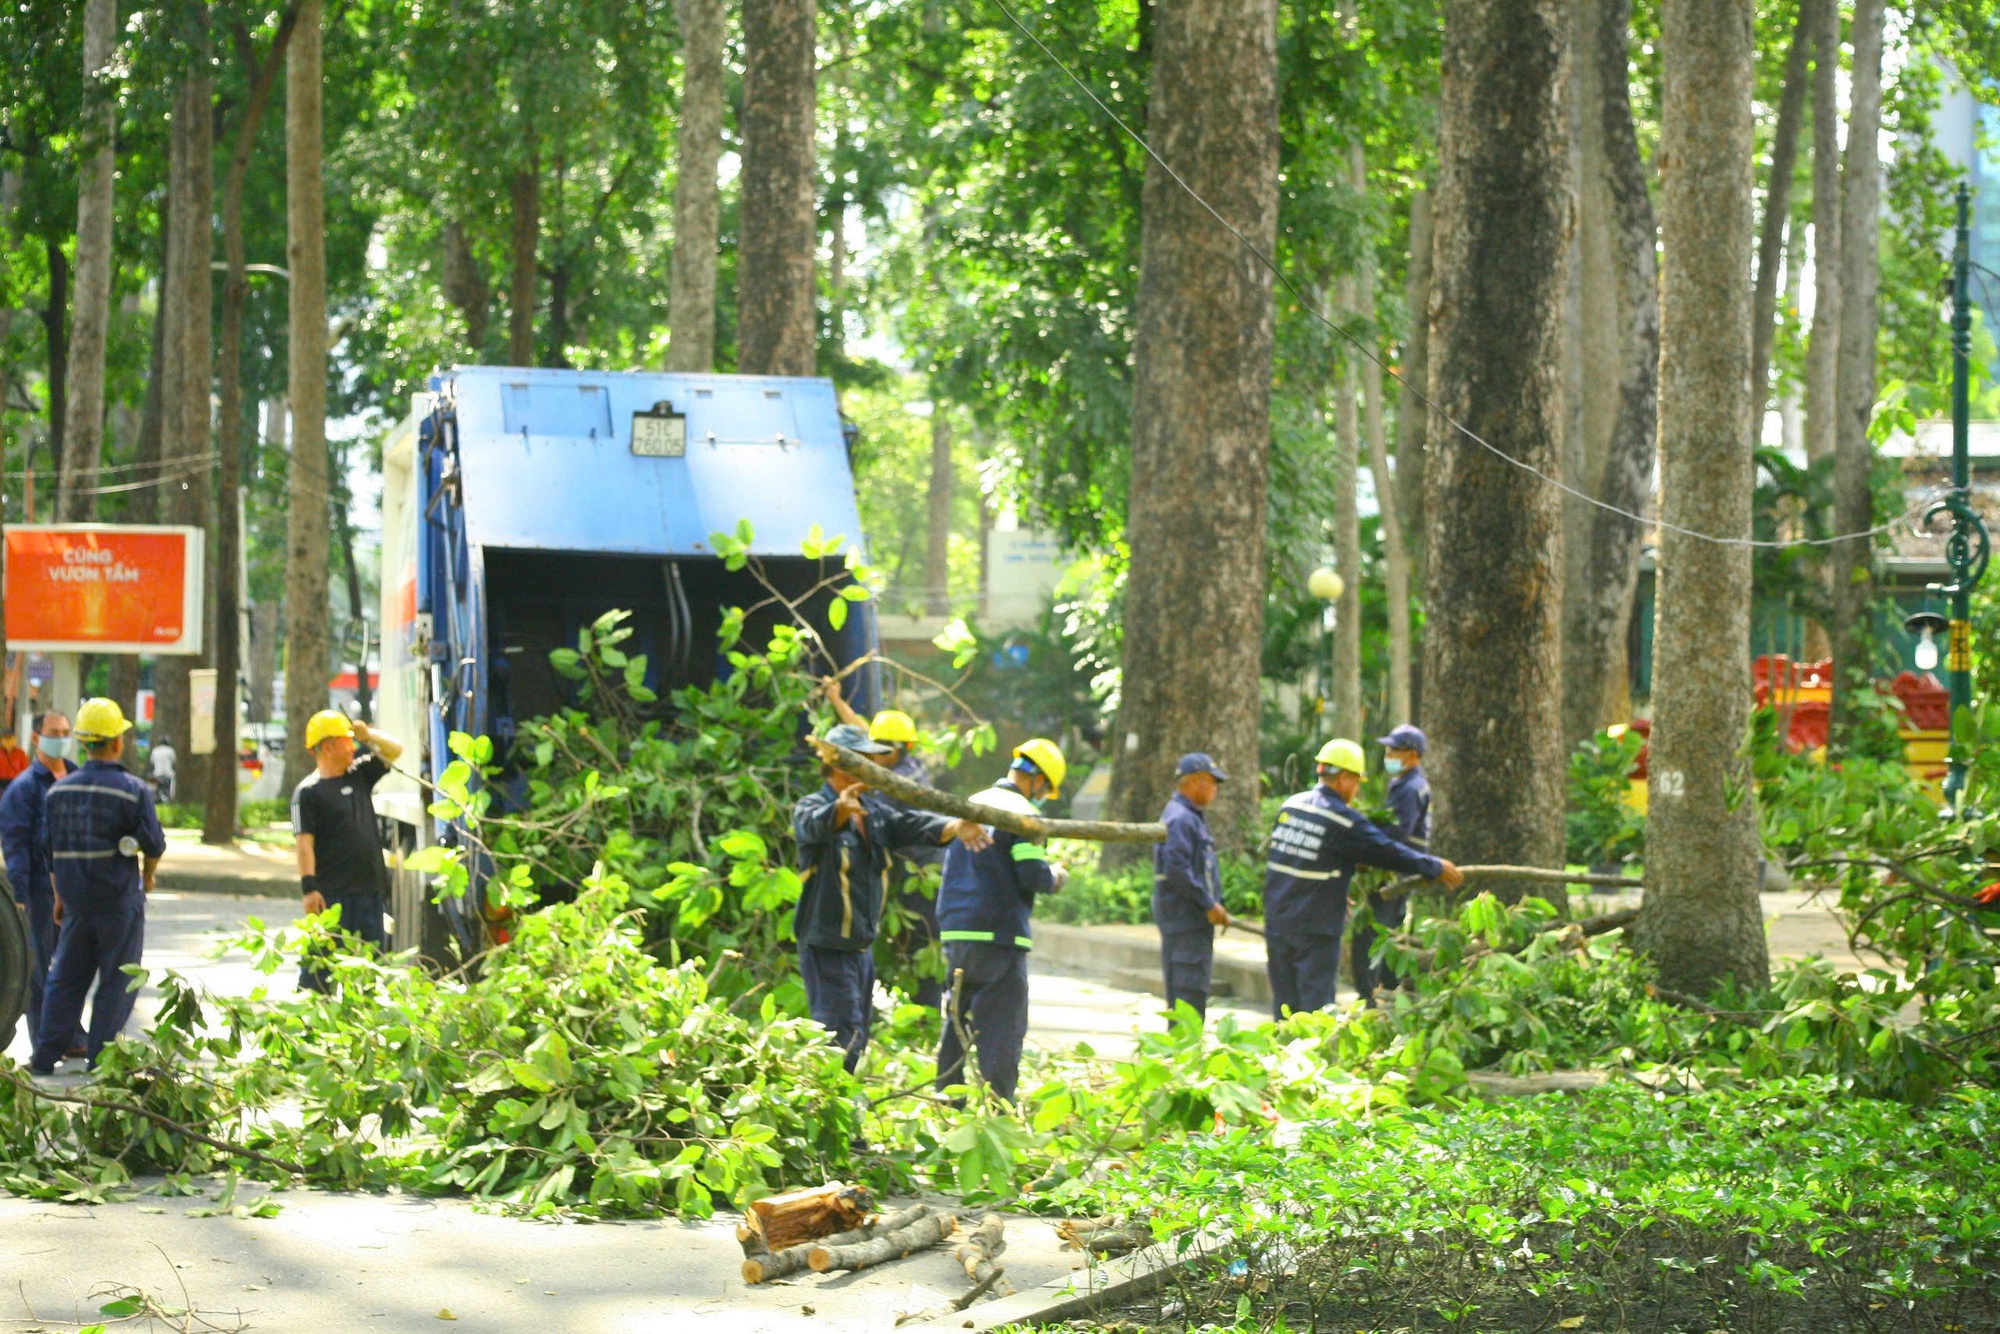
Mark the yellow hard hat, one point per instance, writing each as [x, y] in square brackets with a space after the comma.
[895, 727]
[100, 720]
[1046, 756]
[326, 723]
[1341, 753]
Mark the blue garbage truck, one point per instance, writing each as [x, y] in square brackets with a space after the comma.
[520, 505]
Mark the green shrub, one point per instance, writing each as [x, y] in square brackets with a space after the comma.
[1602, 828]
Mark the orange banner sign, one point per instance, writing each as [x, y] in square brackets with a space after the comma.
[104, 588]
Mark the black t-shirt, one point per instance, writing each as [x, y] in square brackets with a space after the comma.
[339, 813]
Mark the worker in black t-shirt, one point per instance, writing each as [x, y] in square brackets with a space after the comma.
[339, 842]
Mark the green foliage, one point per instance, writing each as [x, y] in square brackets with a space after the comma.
[1602, 827]
[1094, 895]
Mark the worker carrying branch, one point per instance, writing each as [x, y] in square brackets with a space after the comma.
[1318, 841]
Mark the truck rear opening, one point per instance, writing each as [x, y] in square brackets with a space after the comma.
[520, 505]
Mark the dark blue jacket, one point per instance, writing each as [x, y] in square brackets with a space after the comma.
[923, 854]
[1410, 799]
[1318, 841]
[845, 871]
[988, 896]
[86, 813]
[22, 837]
[1187, 882]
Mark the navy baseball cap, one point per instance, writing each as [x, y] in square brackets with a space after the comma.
[1197, 762]
[856, 739]
[1404, 737]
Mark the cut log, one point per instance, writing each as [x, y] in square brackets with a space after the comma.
[805, 1215]
[763, 1267]
[944, 803]
[1536, 873]
[926, 1232]
[752, 1242]
[1108, 1235]
[981, 1247]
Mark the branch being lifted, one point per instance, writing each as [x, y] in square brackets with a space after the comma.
[944, 803]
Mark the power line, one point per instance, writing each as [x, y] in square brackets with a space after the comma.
[1307, 305]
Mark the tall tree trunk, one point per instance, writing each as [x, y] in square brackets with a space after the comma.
[219, 813]
[145, 504]
[937, 549]
[1701, 920]
[697, 207]
[463, 281]
[357, 616]
[1395, 555]
[776, 325]
[306, 556]
[83, 442]
[189, 358]
[525, 191]
[1823, 350]
[1493, 635]
[1777, 213]
[263, 660]
[1201, 410]
[1413, 377]
[55, 333]
[1598, 614]
[1853, 558]
[1345, 711]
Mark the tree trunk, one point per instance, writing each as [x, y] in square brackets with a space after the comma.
[219, 815]
[144, 505]
[1344, 708]
[55, 332]
[357, 616]
[525, 190]
[1395, 554]
[189, 368]
[463, 281]
[306, 557]
[1413, 378]
[937, 549]
[1598, 614]
[697, 210]
[775, 318]
[1777, 213]
[1854, 397]
[1823, 350]
[1201, 411]
[263, 656]
[83, 440]
[1701, 919]
[1493, 637]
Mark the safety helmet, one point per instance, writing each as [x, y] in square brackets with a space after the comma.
[100, 720]
[1341, 753]
[895, 727]
[1047, 758]
[326, 723]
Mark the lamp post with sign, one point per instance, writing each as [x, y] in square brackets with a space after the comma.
[1966, 548]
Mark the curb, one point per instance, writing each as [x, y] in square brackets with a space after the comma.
[224, 882]
[1133, 962]
[1079, 1294]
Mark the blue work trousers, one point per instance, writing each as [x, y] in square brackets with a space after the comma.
[95, 945]
[361, 916]
[986, 995]
[1304, 971]
[1389, 911]
[840, 992]
[1187, 958]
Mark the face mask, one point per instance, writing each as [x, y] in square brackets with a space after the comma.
[1391, 765]
[56, 747]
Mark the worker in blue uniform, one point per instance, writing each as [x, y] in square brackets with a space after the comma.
[1410, 802]
[24, 840]
[845, 833]
[984, 906]
[105, 842]
[1187, 884]
[918, 900]
[1318, 841]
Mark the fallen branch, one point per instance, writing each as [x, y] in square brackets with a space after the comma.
[234, 1150]
[944, 803]
[1574, 934]
[770, 1265]
[956, 1304]
[1538, 874]
[981, 1247]
[926, 1232]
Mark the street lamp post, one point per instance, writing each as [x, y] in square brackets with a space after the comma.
[1326, 584]
[1967, 548]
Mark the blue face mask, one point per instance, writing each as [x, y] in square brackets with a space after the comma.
[1391, 764]
[56, 747]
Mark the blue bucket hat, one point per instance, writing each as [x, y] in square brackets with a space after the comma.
[856, 739]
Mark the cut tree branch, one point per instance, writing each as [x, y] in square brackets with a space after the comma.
[944, 803]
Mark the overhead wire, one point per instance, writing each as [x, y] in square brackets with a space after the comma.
[1306, 304]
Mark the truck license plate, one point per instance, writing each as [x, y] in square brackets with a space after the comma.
[659, 437]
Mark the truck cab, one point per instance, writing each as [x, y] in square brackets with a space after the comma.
[520, 505]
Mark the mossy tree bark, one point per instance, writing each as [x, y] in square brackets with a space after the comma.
[776, 321]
